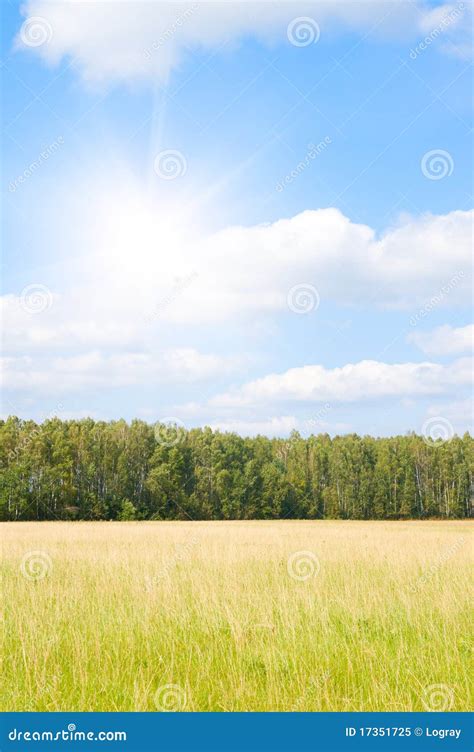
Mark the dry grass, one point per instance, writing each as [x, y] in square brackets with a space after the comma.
[126, 609]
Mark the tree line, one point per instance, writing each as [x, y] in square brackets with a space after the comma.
[95, 470]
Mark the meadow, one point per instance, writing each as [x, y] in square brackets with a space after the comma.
[236, 616]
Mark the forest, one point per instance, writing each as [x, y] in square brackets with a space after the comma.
[95, 470]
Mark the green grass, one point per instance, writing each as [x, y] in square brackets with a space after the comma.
[126, 609]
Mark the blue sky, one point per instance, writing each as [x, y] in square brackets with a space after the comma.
[251, 216]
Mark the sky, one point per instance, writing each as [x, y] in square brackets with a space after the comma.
[255, 216]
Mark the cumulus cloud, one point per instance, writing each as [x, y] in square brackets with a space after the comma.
[450, 26]
[353, 382]
[63, 326]
[135, 309]
[254, 268]
[281, 425]
[445, 340]
[458, 413]
[276, 426]
[94, 369]
[126, 41]
[140, 276]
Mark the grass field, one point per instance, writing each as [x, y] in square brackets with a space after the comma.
[231, 616]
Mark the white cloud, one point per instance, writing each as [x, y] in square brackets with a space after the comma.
[63, 326]
[445, 340]
[113, 40]
[459, 414]
[94, 369]
[346, 262]
[276, 426]
[135, 308]
[141, 274]
[281, 425]
[449, 25]
[365, 380]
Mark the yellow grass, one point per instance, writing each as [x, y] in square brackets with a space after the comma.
[212, 616]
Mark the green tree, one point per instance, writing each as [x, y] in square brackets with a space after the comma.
[127, 511]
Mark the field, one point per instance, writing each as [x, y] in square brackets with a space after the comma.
[228, 616]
